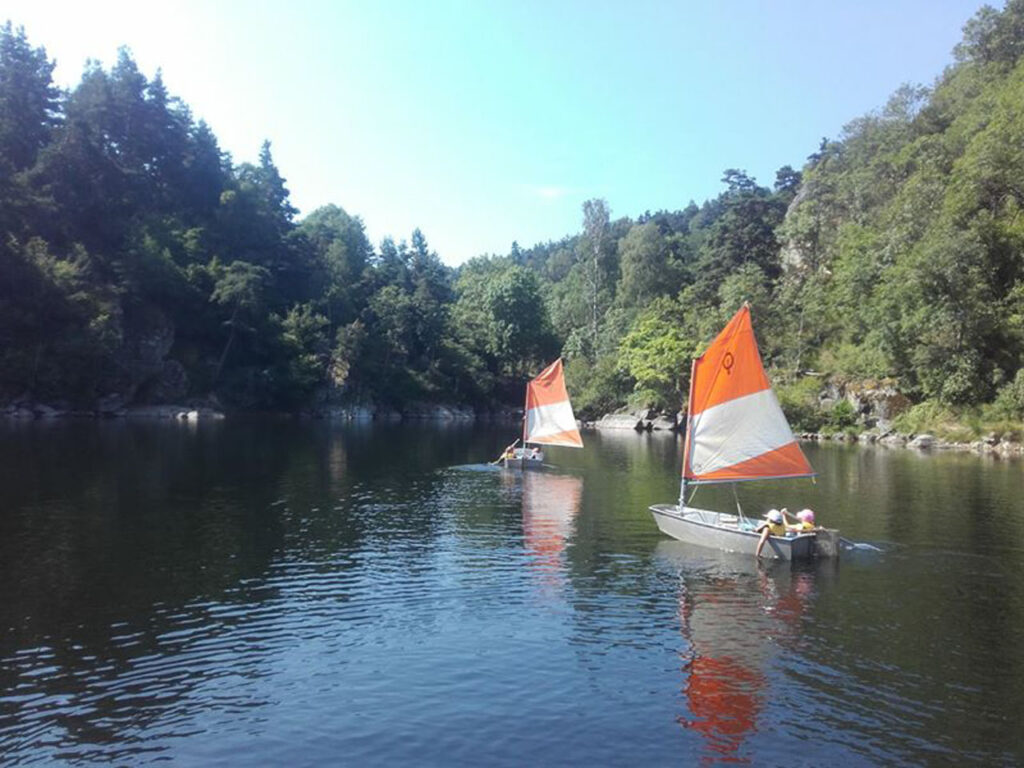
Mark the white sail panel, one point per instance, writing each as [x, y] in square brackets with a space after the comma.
[548, 420]
[737, 430]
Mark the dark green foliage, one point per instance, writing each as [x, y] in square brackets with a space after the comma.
[842, 416]
[1009, 404]
[799, 401]
[128, 239]
[29, 102]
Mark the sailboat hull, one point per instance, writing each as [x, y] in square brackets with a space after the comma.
[524, 459]
[523, 463]
[718, 531]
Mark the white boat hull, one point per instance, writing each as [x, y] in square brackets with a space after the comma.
[522, 459]
[706, 528]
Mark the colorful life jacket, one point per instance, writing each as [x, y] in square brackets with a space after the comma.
[775, 529]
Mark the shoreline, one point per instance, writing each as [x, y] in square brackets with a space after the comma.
[991, 445]
[922, 442]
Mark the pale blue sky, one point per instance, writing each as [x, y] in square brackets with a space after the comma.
[484, 122]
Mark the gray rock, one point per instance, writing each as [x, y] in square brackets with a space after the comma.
[662, 422]
[46, 412]
[622, 420]
[156, 411]
[923, 442]
[893, 439]
[149, 336]
[349, 412]
[435, 412]
[22, 401]
[170, 385]
[110, 405]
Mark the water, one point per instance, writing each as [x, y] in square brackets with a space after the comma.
[275, 592]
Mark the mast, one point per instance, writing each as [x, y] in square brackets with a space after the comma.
[526, 413]
[686, 442]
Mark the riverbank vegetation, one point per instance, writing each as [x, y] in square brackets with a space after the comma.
[138, 258]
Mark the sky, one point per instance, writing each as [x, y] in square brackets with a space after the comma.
[483, 122]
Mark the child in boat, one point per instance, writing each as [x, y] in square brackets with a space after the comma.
[805, 521]
[774, 525]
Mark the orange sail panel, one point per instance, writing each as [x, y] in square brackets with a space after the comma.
[736, 429]
[549, 416]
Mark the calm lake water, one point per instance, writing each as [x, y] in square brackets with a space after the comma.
[285, 593]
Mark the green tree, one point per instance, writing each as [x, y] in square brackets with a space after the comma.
[239, 287]
[520, 333]
[647, 272]
[656, 353]
[29, 101]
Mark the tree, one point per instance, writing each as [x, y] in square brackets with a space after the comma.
[992, 36]
[240, 287]
[307, 351]
[744, 232]
[29, 101]
[787, 181]
[644, 261]
[656, 354]
[342, 255]
[520, 333]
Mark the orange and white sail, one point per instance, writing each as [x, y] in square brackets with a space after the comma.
[549, 417]
[736, 429]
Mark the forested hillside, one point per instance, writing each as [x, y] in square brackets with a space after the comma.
[137, 258]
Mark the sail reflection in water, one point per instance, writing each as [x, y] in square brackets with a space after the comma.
[735, 616]
[551, 503]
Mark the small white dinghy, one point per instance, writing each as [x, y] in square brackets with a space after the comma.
[735, 432]
[548, 420]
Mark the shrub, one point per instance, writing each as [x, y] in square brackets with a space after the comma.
[842, 416]
[1009, 403]
[799, 401]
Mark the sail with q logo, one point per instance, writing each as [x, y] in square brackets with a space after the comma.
[736, 431]
[735, 427]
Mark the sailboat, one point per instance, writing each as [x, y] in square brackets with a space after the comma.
[735, 432]
[548, 419]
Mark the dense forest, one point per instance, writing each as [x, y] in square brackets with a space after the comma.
[137, 259]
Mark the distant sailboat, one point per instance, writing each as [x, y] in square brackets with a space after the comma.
[548, 420]
[736, 431]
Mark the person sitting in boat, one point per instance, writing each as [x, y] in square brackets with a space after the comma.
[804, 521]
[774, 525]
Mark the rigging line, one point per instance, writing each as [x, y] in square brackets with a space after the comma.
[739, 509]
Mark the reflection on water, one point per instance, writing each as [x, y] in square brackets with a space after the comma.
[734, 614]
[279, 592]
[551, 503]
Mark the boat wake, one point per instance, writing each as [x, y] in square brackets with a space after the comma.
[858, 546]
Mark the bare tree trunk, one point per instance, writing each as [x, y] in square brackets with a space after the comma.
[800, 340]
[595, 222]
[227, 346]
[595, 290]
